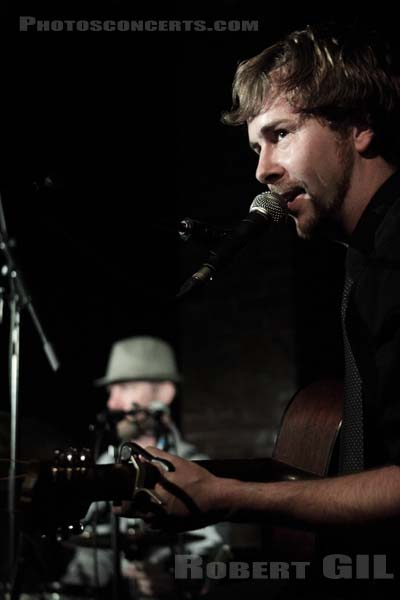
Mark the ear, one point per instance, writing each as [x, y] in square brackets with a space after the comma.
[166, 391]
[363, 137]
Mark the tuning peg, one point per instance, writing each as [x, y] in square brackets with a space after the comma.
[85, 457]
[71, 457]
[57, 457]
[65, 531]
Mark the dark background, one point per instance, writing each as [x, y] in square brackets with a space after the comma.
[127, 127]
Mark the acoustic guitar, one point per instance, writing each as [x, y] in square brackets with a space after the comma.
[55, 495]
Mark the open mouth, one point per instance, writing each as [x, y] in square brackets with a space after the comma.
[289, 198]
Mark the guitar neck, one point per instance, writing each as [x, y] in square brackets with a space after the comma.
[116, 482]
[54, 496]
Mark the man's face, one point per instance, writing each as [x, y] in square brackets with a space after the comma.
[123, 397]
[304, 161]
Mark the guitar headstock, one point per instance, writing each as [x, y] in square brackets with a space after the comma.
[56, 495]
[50, 499]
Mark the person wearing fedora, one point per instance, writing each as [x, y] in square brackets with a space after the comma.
[141, 380]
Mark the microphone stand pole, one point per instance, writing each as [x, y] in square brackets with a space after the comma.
[14, 385]
[19, 299]
[116, 593]
[116, 557]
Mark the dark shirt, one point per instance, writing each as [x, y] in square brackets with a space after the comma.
[373, 322]
[373, 328]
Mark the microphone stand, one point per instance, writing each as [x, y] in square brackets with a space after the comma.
[116, 590]
[116, 558]
[19, 298]
[117, 581]
[99, 429]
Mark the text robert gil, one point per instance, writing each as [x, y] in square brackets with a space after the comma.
[334, 566]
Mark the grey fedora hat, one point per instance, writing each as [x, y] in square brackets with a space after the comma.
[141, 358]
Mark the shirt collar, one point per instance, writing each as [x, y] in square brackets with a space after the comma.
[363, 236]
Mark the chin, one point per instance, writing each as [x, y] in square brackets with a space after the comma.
[125, 430]
[304, 235]
[304, 228]
[309, 223]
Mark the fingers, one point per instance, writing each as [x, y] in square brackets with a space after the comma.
[172, 458]
[157, 451]
[146, 509]
[176, 491]
[127, 509]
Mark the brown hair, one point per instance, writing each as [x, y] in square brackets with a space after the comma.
[339, 74]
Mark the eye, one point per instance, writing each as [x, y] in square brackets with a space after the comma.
[280, 134]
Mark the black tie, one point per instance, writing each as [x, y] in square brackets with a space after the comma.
[352, 437]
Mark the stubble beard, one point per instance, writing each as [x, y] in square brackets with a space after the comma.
[126, 430]
[325, 216]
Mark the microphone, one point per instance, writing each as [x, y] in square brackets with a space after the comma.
[107, 419]
[191, 229]
[48, 182]
[266, 208]
[204, 232]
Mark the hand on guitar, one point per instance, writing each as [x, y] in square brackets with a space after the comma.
[190, 497]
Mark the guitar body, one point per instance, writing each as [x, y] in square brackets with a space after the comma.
[308, 439]
[310, 428]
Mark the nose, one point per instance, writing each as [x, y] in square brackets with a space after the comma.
[113, 402]
[268, 169]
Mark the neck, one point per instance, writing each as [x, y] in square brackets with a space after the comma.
[368, 176]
